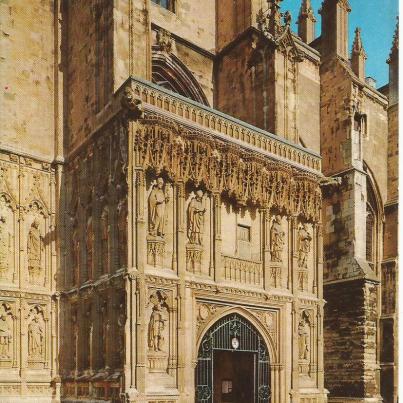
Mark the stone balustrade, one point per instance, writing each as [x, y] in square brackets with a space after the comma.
[191, 113]
[243, 271]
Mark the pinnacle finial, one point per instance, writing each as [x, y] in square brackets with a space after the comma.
[358, 47]
[306, 11]
[395, 45]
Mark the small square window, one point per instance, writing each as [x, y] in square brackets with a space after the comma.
[243, 233]
[167, 4]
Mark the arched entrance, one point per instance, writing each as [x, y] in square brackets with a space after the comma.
[233, 364]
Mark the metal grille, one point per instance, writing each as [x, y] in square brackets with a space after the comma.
[219, 337]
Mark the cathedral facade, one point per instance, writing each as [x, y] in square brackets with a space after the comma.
[196, 204]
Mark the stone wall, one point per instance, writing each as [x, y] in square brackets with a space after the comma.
[351, 339]
[27, 76]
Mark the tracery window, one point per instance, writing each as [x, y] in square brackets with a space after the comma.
[167, 4]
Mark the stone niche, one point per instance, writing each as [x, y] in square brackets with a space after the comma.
[305, 248]
[278, 247]
[241, 243]
[160, 221]
[161, 338]
[198, 231]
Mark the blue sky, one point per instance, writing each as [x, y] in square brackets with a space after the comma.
[376, 18]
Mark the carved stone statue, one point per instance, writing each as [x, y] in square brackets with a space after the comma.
[5, 240]
[156, 204]
[304, 246]
[196, 214]
[276, 240]
[35, 338]
[303, 338]
[35, 249]
[5, 334]
[157, 322]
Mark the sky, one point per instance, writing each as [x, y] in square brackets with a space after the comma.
[377, 20]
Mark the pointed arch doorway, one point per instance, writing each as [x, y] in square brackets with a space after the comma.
[233, 364]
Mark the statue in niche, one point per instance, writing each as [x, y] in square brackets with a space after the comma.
[277, 240]
[156, 204]
[5, 247]
[304, 337]
[122, 232]
[304, 246]
[5, 333]
[196, 214]
[157, 322]
[35, 337]
[105, 241]
[89, 243]
[35, 249]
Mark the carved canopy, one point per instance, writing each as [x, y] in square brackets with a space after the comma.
[248, 177]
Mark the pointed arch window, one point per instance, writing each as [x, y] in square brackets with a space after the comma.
[169, 72]
[371, 225]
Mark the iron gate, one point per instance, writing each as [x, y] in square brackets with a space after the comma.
[232, 333]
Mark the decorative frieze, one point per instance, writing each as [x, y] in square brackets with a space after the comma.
[195, 156]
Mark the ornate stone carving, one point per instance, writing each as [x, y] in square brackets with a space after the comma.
[245, 176]
[304, 246]
[196, 214]
[275, 276]
[276, 240]
[155, 252]
[5, 247]
[157, 201]
[304, 342]
[131, 104]
[6, 332]
[35, 250]
[194, 257]
[164, 40]
[158, 319]
[36, 335]
[157, 330]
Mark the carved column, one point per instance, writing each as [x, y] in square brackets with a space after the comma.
[315, 260]
[181, 229]
[141, 290]
[219, 274]
[295, 353]
[266, 247]
[275, 373]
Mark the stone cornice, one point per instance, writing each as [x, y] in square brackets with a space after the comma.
[215, 121]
